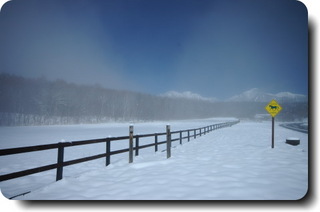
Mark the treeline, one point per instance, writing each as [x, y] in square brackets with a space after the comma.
[39, 101]
[43, 102]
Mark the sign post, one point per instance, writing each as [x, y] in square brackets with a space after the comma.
[272, 142]
[273, 109]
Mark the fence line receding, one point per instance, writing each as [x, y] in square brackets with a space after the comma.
[133, 148]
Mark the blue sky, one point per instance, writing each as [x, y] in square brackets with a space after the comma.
[216, 48]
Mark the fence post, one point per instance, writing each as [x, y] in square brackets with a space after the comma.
[156, 143]
[108, 150]
[188, 135]
[131, 144]
[195, 133]
[180, 137]
[137, 145]
[60, 161]
[168, 141]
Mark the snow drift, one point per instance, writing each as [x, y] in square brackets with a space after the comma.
[235, 163]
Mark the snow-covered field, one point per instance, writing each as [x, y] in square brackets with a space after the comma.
[230, 163]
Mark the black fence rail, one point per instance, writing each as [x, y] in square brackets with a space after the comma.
[133, 149]
[300, 127]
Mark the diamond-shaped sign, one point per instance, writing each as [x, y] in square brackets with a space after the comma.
[273, 108]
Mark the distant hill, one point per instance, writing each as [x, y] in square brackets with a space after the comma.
[187, 95]
[256, 95]
[252, 95]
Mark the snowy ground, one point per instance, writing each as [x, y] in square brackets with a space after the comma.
[231, 163]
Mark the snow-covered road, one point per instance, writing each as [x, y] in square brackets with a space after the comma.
[233, 163]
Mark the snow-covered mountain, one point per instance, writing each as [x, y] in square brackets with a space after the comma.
[257, 95]
[252, 95]
[187, 95]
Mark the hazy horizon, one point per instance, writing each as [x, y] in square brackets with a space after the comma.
[169, 93]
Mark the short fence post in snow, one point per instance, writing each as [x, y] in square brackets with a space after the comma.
[195, 134]
[180, 137]
[188, 135]
[108, 151]
[137, 146]
[60, 161]
[131, 144]
[156, 143]
[168, 141]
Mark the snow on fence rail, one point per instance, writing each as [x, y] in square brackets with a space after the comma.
[60, 147]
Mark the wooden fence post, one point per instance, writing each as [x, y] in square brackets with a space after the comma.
[168, 141]
[156, 143]
[131, 144]
[108, 150]
[137, 146]
[188, 135]
[180, 137]
[60, 162]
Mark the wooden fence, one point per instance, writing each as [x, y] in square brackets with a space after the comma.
[183, 134]
[296, 127]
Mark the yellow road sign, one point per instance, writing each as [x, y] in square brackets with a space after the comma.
[273, 108]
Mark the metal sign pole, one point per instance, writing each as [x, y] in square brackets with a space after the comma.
[272, 144]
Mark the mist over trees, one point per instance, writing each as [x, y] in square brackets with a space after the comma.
[42, 102]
